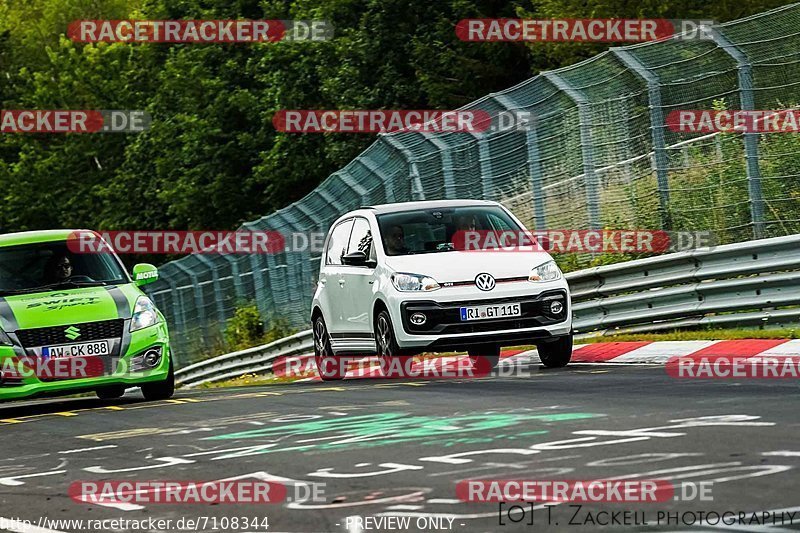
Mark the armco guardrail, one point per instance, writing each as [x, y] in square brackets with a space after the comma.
[253, 360]
[735, 284]
[732, 284]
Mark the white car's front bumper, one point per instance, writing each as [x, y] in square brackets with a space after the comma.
[444, 330]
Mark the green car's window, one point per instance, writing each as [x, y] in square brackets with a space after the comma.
[52, 265]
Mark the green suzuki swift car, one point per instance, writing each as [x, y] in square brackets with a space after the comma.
[72, 320]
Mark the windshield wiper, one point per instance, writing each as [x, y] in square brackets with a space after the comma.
[51, 286]
[73, 284]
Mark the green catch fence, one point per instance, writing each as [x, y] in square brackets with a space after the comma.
[597, 155]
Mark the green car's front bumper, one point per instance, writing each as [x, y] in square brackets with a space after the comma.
[30, 385]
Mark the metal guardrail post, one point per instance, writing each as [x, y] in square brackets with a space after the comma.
[587, 147]
[750, 138]
[657, 126]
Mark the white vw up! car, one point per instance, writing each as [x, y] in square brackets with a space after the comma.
[392, 281]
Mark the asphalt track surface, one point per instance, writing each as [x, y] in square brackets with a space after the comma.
[398, 447]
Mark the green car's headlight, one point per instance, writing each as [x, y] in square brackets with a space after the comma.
[4, 340]
[144, 314]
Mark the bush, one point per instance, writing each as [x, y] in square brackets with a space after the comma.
[246, 328]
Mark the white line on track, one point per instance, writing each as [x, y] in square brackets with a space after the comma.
[782, 453]
[78, 450]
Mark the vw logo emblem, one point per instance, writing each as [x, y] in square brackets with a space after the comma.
[484, 282]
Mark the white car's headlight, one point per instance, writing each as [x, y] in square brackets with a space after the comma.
[144, 314]
[545, 272]
[413, 282]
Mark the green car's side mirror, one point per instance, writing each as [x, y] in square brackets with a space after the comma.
[144, 273]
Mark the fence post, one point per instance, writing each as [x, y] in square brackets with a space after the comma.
[263, 297]
[417, 191]
[356, 187]
[485, 162]
[177, 329]
[534, 161]
[303, 261]
[447, 164]
[587, 148]
[375, 169]
[657, 126]
[747, 103]
[235, 275]
[198, 300]
[221, 318]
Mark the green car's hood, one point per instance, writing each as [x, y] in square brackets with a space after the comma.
[69, 306]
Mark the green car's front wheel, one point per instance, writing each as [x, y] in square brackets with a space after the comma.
[160, 390]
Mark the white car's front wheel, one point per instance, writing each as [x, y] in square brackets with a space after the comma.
[386, 342]
[555, 353]
[328, 367]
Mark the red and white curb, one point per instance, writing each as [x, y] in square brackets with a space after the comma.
[637, 352]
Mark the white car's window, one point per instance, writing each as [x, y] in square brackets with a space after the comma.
[337, 244]
[432, 230]
[360, 237]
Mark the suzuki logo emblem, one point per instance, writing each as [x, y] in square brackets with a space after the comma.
[72, 333]
[484, 282]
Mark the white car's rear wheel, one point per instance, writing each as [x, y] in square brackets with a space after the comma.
[328, 366]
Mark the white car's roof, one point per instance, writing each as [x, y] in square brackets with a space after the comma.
[429, 204]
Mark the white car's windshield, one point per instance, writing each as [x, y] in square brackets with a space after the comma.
[432, 230]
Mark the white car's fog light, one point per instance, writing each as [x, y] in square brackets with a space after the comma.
[556, 307]
[418, 319]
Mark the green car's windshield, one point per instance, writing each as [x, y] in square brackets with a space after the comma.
[52, 265]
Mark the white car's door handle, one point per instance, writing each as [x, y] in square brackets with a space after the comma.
[341, 283]
[322, 282]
